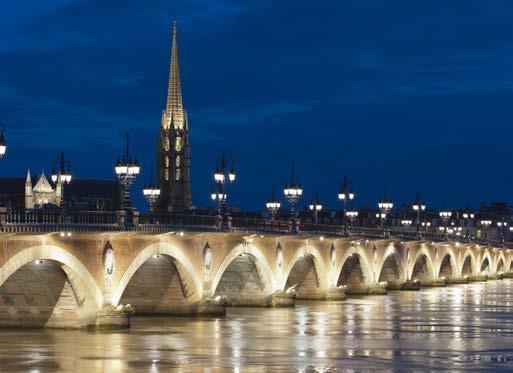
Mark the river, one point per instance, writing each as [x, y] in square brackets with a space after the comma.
[457, 328]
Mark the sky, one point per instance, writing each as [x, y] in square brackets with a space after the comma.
[416, 95]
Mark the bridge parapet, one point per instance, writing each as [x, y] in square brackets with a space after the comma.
[41, 221]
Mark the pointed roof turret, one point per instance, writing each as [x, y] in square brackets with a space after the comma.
[29, 178]
[174, 107]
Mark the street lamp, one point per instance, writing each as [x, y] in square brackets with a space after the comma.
[222, 174]
[426, 225]
[468, 216]
[62, 176]
[127, 170]
[293, 192]
[351, 215]
[315, 207]
[406, 222]
[385, 205]
[486, 223]
[273, 205]
[151, 192]
[3, 143]
[445, 215]
[346, 195]
[502, 225]
[418, 207]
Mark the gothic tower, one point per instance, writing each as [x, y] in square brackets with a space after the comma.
[173, 152]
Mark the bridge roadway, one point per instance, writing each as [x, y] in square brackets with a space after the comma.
[62, 274]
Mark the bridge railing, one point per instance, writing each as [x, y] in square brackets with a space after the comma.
[13, 220]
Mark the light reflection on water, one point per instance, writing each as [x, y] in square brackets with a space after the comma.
[458, 328]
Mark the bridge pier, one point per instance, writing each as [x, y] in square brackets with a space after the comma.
[457, 280]
[336, 294]
[507, 275]
[283, 298]
[495, 276]
[373, 289]
[478, 278]
[434, 283]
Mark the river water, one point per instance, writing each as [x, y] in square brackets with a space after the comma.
[456, 328]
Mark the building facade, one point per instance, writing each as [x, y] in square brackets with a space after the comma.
[173, 150]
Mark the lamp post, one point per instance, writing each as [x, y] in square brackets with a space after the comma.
[63, 175]
[445, 215]
[346, 195]
[273, 205]
[406, 223]
[502, 225]
[315, 207]
[426, 225]
[351, 215]
[468, 216]
[293, 192]
[127, 170]
[385, 205]
[151, 192]
[221, 174]
[485, 224]
[3, 143]
[418, 207]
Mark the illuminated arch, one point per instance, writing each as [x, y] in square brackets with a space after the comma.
[429, 262]
[260, 261]
[392, 253]
[447, 253]
[161, 248]
[366, 267]
[76, 272]
[320, 268]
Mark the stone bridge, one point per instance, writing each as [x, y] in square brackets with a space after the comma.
[65, 280]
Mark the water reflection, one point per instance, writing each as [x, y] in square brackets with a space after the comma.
[459, 328]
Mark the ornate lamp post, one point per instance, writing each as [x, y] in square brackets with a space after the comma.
[445, 215]
[385, 205]
[406, 223]
[346, 195]
[351, 215]
[127, 170]
[293, 192]
[502, 225]
[418, 207]
[3, 143]
[426, 225]
[468, 216]
[485, 224]
[315, 207]
[273, 205]
[151, 192]
[63, 176]
[221, 174]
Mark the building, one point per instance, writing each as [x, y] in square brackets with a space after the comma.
[173, 150]
[80, 194]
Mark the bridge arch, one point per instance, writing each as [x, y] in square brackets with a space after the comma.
[447, 267]
[162, 251]
[468, 264]
[391, 269]
[354, 269]
[486, 264]
[55, 288]
[501, 263]
[422, 267]
[244, 277]
[307, 270]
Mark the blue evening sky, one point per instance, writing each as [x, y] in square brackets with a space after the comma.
[417, 94]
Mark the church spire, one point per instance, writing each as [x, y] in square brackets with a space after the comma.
[174, 107]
